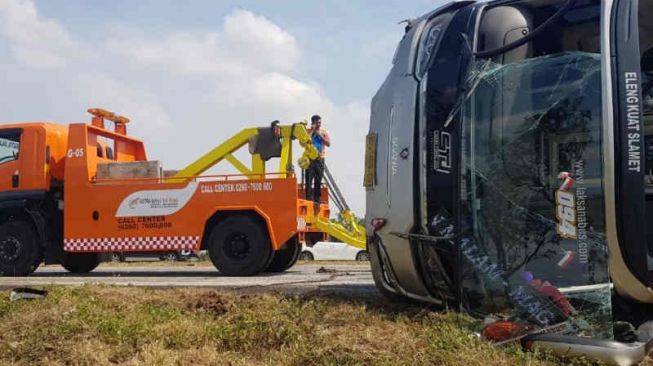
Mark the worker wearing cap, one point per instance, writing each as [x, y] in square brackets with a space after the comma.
[315, 172]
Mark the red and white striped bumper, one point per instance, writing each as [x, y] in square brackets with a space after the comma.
[136, 244]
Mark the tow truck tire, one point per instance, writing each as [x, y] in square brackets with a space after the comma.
[20, 253]
[80, 262]
[240, 246]
[287, 257]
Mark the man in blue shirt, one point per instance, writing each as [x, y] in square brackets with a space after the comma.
[315, 171]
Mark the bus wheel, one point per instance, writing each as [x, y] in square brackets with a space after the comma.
[20, 253]
[239, 246]
[80, 262]
[286, 257]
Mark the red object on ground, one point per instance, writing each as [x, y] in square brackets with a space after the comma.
[501, 330]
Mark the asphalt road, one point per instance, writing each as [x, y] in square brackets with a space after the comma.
[326, 278]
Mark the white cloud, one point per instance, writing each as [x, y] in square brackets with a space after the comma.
[247, 44]
[34, 41]
[253, 37]
[276, 94]
[142, 107]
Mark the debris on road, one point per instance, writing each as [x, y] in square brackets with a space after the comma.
[24, 293]
[326, 270]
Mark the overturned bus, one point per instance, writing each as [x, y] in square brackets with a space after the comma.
[509, 163]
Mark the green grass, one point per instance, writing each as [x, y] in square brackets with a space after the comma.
[96, 325]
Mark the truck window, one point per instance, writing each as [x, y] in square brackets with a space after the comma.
[9, 146]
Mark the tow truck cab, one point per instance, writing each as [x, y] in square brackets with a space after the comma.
[511, 142]
[31, 157]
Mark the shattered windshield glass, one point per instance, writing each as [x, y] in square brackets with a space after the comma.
[532, 230]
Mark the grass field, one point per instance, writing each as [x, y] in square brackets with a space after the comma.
[94, 325]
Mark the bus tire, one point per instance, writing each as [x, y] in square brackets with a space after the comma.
[80, 262]
[287, 257]
[240, 246]
[20, 253]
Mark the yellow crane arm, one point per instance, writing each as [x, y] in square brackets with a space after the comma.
[219, 153]
[224, 151]
[353, 237]
[299, 133]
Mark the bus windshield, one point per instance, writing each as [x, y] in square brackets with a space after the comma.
[531, 210]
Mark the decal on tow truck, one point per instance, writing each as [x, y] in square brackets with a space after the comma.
[236, 187]
[137, 243]
[156, 202]
[143, 222]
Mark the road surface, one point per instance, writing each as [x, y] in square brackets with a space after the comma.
[345, 279]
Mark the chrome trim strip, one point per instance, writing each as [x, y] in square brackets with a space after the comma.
[388, 176]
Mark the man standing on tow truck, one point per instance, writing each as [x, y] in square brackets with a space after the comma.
[315, 172]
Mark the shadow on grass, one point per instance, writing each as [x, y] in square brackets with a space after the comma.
[372, 300]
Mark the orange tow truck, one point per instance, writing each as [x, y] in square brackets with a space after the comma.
[71, 194]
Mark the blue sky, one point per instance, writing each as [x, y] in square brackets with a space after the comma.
[191, 73]
[347, 44]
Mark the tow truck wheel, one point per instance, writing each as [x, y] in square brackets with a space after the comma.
[20, 253]
[80, 262]
[239, 246]
[286, 257]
